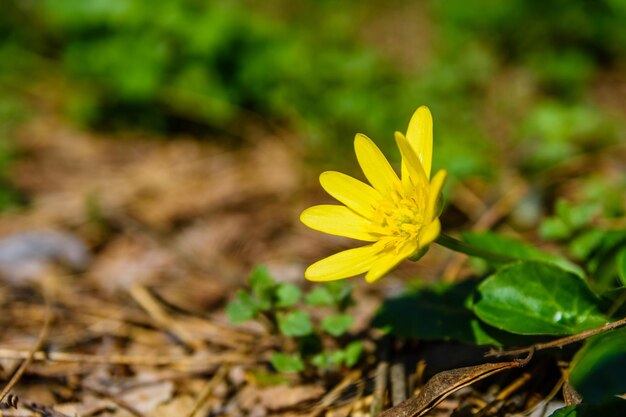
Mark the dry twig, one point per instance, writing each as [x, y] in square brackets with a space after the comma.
[160, 316]
[559, 343]
[181, 362]
[205, 395]
[29, 358]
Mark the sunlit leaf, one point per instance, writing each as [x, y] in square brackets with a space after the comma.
[537, 298]
[295, 323]
[242, 308]
[337, 324]
[353, 353]
[554, 228]
[287, 295]
[319, 296]
[287, 363]
[262, 285]
[329, 360]
[518, 250]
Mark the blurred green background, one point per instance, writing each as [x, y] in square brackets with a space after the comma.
[512, 85]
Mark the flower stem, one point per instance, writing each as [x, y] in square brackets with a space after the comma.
[464, 247]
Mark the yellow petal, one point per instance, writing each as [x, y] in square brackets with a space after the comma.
[429, 233]
[436, 184]
[388, 260]
[337, 220]
[420, 136]
[375, 166]
[412, 171]
[344, 264]
[355, 194]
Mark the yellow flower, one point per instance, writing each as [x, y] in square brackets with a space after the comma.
[399, 215]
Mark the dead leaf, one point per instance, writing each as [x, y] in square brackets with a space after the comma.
[179, 406]
[147, 397]
[442, 385]
[279, 397]
[570, 395]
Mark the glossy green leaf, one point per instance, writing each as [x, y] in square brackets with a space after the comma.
[287, 295]
[599, 369]
[295, 324]
[506, 246]
[337, 324]
[242, 308]
[537, 298]
[613, 407]
[287, 363]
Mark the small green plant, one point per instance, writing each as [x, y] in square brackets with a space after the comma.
[601, 251]
[305, 343]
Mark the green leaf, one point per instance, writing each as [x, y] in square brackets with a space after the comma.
[319, 296]
[337, 324]
[261, 280]
[584, 244]
[287, 363]
[602, 261]
[517, 249]
[295, 324]
[341, 292]
[578, 215]
[554, 228]
[287, 295]
[329, 360]
[353, 353]
[621, 266]
[612, 407]
[597, 370]
[262, 285]
[537, 298]
[439, 312]
[242, 308]
[614, 302]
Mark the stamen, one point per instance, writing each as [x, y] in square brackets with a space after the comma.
[400, 218]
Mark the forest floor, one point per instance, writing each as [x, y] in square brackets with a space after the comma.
[117, 271]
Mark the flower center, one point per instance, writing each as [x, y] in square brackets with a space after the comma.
[401, 217]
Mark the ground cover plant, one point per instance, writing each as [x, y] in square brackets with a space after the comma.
[524, 292]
